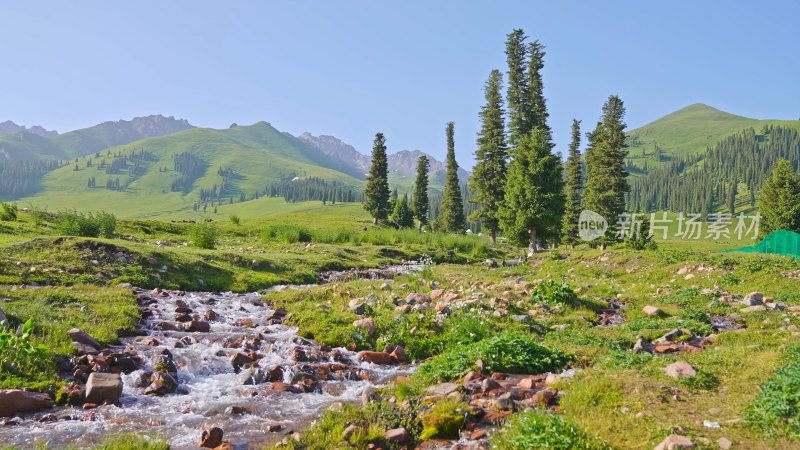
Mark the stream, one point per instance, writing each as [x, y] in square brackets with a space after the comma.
[252, 408]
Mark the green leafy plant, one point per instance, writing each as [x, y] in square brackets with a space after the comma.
[17, 350]
[203, 235]
[8, 211]
[553, 292]
[73, 223]
[776, 409]
[503, 353]
[537, 429]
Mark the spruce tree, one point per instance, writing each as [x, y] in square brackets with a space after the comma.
[402, 215]
[377, 191]
[732, 197]
[451, 213]
[779, 202]
[534, 193]
[536, 114]
[488, 179]
[421, 203]
[572, 207]
[517, 94]
[606, 184]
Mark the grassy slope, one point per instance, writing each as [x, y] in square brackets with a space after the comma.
[690, 131]
[258, 153]
[25, 145]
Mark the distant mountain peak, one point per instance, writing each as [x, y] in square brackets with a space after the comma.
[9, 127]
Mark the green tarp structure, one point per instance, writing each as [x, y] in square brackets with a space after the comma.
[782, 242]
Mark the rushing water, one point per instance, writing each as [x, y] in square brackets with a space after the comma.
[211, 393]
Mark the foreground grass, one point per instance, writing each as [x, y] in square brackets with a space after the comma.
[247, 257]
[103, 312]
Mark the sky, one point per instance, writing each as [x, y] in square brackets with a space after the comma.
[351, 68]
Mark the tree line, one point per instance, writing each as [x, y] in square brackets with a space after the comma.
[517, 185]
[21, 178]
[710, 181]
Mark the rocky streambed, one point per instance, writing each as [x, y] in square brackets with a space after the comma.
[204, 360]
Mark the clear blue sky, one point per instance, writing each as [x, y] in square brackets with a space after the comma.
[351, 69]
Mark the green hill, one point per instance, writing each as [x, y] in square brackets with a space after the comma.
[688, 131]
[245, 159]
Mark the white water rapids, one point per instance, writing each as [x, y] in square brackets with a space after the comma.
[209, 385]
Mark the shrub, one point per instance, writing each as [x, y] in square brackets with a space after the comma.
[503, 353]
[203, 235]
[234, 219]
[553, 292]
[9, 211]
[73, 223]
[776, 410]
[544, 430]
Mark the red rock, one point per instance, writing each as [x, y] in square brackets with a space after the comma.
[212, 438]
[283, 387]
[375, 357]
[247, 323]
[240, 359]
[198, 326]
[151, 341]
[398, 354]
[210, 315]
[14, 401]
[397, 435]
[546, 396]
[527, 383]
[480, 433]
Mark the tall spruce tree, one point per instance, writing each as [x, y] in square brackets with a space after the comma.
[377, 192]
[421, 204]
[488, 179]
[536, 114]
[606, 184]
[573, 207]
[517, 93]
[451, 213]
[534, 193]
[779, 202]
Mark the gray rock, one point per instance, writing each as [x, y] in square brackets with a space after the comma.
[442, 388]
[640, 347]
[752, 309]
[78, 335]
[524, 318]
[750, 302]
[674, 442]
[103, 387]
[671, 336]
[385, 287]
[680, 369]
[373, 298]
[651, 310]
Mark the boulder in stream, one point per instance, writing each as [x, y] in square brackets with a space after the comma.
[103, 388]
[82, 337]
[15, 401]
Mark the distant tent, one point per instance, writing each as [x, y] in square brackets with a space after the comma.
[781, 242]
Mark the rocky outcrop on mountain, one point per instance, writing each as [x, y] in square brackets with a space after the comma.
[337, 149]
[9, 127]
[403, 162]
